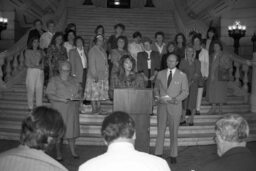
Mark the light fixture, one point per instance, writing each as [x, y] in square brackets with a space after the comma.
[117, 2]
[3, 24]
[236, 31]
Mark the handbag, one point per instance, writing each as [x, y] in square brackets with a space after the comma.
[223, 73]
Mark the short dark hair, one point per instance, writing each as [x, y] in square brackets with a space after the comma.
[37, 20]
[55, 36]
[49, 22]
[98, 27]
[124, 39]
[43, 122]
[218, 43]
[118, 125]
[30, 42]
[183, 37]
[159, 33]
[78, 38]
[197, 36]
[69, 26]
[171, 43]
[120, 25]
[136, 34]
[214, 31]
[67, 33]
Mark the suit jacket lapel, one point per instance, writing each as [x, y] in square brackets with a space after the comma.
[175, 75]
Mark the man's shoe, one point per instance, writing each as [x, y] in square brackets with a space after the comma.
[173, 160]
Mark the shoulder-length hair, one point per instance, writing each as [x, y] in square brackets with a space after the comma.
[99, 27]
[56, 35]
[30, 43]
[183, 37]
[42, 124]
[214, 31]
[67, 33]
[218, 43]
[121, 73]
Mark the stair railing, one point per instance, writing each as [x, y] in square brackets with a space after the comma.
[239, 73]
[12, 67]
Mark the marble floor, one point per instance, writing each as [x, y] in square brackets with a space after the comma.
[190, 158]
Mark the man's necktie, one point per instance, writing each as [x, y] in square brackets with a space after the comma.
[169, 79]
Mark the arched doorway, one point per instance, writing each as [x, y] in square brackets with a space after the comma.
[119, 3]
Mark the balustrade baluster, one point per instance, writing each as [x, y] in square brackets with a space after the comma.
[15, 64]
[8, 69]
[2, 83]
[237, 74]
[245, 69]
[22, 59]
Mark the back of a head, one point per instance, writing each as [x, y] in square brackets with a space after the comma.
[233, 128]
[43, 124]
[118, 125]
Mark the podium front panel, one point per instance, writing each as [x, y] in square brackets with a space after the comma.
[137, 103]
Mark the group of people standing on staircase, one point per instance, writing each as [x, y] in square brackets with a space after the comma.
[72, 73]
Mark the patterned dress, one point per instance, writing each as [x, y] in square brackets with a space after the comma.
[97, 84]
[54, 56]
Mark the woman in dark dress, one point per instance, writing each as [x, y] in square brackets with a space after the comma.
[192, 68]
[180, 41]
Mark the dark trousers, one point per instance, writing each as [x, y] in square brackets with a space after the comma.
[83, 84]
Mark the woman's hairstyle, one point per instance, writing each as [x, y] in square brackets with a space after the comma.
[213, 30]
[192, 33]
[67, 33]
[159, 33]
[136, 34]
[118, 125]
[49, 22]
[55, 36]
[218, 43]
[197, 36]
[78, 38]
[189, 46]
[99, 27]
[63, 63]
[69, 26]
[42, 124]
[232, 128]
[183, 37]
[120, 25]
[121, 72]
[124, 39]
[37, 20]
[169, 44]
[30, 43]
[96, 37]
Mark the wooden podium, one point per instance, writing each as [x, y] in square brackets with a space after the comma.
[137, 103]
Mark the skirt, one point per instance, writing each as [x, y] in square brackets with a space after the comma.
[96, 91]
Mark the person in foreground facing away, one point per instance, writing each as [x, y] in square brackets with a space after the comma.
[126, 77]
[63, 90]
[171, 87]
[118, 131]
[231, 134]
[38, 131]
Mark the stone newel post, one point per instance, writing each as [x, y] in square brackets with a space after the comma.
[253, 93]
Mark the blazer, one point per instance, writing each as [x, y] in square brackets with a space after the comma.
[97, 64]
[154, 48]
[142, 64]
[25, 158]
[236, 159]
[76, 64]
[178, 87]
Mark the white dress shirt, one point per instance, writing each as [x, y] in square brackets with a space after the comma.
[160, 48]
[123, 156]
[168, 72]
[82, 56]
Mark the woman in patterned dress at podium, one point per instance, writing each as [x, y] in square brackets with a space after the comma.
[126, 77]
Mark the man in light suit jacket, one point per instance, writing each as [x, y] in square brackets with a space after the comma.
[148, 62]
[78, 60]
[171, 87]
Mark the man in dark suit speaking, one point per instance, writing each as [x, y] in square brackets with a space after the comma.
[171, 87]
